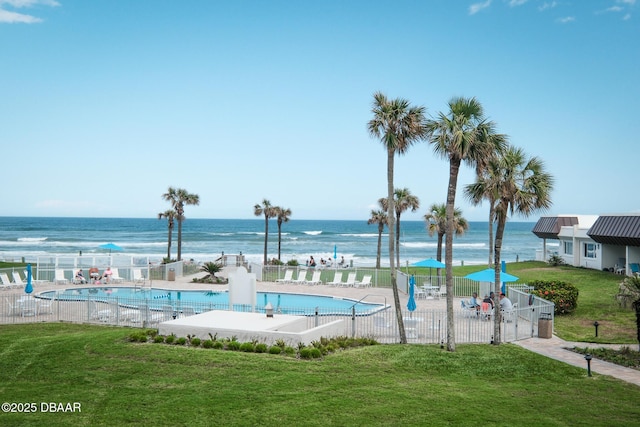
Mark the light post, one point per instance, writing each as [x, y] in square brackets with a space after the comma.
[588, 358]
[596, 324]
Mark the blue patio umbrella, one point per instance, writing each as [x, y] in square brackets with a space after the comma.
[28, 288]
[335, 252]
[489, 275]
[411, 304]
[111, 247]
[429, 262]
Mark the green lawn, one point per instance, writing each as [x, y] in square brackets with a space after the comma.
[121, 383]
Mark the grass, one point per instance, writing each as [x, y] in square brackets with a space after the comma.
[121, 383]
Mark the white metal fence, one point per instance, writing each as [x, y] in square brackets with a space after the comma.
[422, 326]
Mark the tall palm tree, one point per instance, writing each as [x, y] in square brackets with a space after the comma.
[170, 215]
[268, 211]
[459, 136]
[378, 217]
[482, 168]
[521, 185]
[398, 125]
[403, 200]
[179, 197]
[436, 220]
[282, 215]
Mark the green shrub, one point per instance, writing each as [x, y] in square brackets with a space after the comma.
[292, 263]
[158, 339]
[556, 260]
[233, 345]
[218, 345]
[170, 339]
[207, 344]
[289, 351]
[247, 347]
[261, 348]
[195, 342]
[563, 295]
[138, 336]
[305, 353]
[316, 353]
[274, 349]
[181, 341]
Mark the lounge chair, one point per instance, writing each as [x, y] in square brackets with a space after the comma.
[78, 280]
[351, 280]
[441, 292]
[288, 275]
[315, 279]
[115, 276]
[337, 279]
[365, 282]
[6, 283]
[45, 306]
[101, 314]
[168, 312]
[468, 310]
[634, 268]
[59, 278]
[137, 276]
[302, 277]
[17, 279]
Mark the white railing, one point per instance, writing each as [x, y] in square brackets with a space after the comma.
[422, 326]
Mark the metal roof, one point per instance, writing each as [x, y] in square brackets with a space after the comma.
[621, 230]
[548, 227]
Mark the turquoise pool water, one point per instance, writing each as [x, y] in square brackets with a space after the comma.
[282, 302]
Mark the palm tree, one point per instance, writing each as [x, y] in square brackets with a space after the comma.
[519, 184]
[178, 197]
[398, 125]
[629, 295]
[457, 137]
[269, 212]
[482, 168]
[436, 220]
[403, 200]
[378, 217]
[282, 215]
[170, 215]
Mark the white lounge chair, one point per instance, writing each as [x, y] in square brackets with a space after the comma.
[288, 275]
[302, 277]
[115, 276]
[17, 280]
[337, 279]
[188, 311]
[101, 314]
[45, 306]
[6, 283]
[365, 282]
[76, 280]
[137, 276]
[59, 277]
[351, 280]
[315, 279]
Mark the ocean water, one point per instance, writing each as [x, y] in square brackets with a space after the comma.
[205, 239]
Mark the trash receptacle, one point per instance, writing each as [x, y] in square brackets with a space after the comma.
[545, 325]
[171, 276]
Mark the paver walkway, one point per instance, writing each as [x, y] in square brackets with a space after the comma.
[555, 348]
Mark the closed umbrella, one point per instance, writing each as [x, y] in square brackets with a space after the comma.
[28, 287]
[411, 304]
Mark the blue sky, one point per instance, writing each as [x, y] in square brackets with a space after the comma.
[106, 103]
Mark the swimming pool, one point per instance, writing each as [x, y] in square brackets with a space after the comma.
[200, 301]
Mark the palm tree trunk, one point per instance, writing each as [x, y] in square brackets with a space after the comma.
[439, 250]
[380, 230]
[179, 239]
[391, 219]
[169, 245]
[492, 214]
[448, 250]
[497, 318]
[279, 238]
[266, 236]
[398, 240]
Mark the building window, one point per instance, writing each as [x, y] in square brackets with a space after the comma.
[568, 248]
[590, 250]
